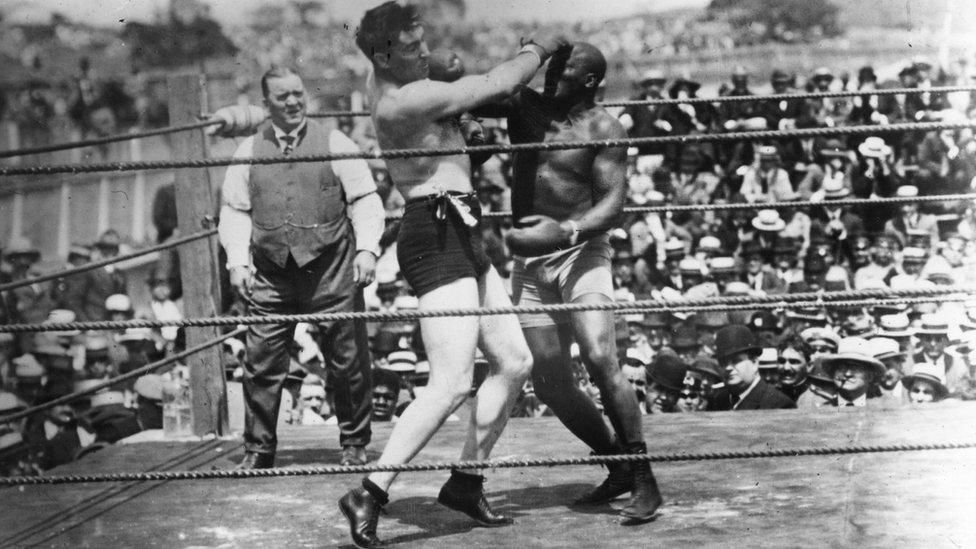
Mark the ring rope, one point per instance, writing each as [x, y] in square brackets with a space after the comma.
[450, 151]
[482, 464]
[727, 98]
[852, 202]
[138, 372]
[109, 139]
[866, 297]
[108, 261]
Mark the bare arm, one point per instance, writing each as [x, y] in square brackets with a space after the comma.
[609, 183]
[430, 100]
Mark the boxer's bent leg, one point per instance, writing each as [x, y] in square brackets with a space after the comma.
[552, 378]
[594, 332]
[450, 343]
[504, 346]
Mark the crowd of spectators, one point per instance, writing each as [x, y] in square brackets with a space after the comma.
[882, 355]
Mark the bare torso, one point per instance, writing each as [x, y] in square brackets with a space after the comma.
[557, 184]
[426, 175]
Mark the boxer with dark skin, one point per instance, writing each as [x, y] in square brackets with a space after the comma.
[564, 202]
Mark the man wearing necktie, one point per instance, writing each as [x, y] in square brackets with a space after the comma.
[301, 238]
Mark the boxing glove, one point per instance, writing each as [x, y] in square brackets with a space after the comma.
[237, 120]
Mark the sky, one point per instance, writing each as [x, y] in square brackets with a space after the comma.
[234, 12]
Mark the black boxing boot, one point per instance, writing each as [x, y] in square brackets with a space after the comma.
[362, 507]
[645, 497]
[465, 493]
[618, 482]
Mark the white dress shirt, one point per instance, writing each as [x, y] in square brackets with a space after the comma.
[365, 209]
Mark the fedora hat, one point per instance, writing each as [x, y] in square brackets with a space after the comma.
[768, 221]
[733, 339]
[110, 239]
[885, 347]
[822, 73]
[856, 350]
[668, 371]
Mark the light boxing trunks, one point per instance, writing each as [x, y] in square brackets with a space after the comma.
[562, 277]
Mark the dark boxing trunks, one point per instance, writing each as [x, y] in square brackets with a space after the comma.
[434, 252]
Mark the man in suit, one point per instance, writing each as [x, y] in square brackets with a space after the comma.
[87, 300]
[737, 350]
[855, 373]
[758, 275]
[911, 220]
[933, 337]
[301, 238]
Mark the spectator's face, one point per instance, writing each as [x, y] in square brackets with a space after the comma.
[313, 400]
[102, 121]
[161, 290]
[894, 366]
[862, 256]
[637, 377]
[688, 354]
[921, 391]
[933, 345]
[660, 399]
[911, 267]
[770, 375]
[851, 379]
[820, 348]
[909, 209]
[691, 400]
[785, 261]
[740, 370]
[384, 402]
[754, 264]
[652, 88]
[656, 338]
[624, 270]
[792, 367]
[883, 253]
[286, 101]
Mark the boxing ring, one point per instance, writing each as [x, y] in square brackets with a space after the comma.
[865, 477]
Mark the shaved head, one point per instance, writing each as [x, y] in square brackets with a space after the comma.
[591, 58]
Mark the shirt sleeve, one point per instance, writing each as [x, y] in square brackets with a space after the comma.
[235, 227]
[365, 209]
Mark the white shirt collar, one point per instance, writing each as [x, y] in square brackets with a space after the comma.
[858, 402]
[279, 133]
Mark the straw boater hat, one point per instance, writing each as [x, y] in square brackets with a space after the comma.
[874, 147]
[22, 246]
[722, 264]
[822, 73]
[907, 191]
[709, 243]
[930, 373]
[834, 148]
[894, 326]
[401, 361]
[824, 335]
[852, 349]
[835, 189]
[653, 76]
[933, 324]
[914, 255]
[674, 249]
[768, 221]
[767, 152]
[768, 359]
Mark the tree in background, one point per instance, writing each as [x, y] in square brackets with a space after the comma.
[187, 37]
[778, 20]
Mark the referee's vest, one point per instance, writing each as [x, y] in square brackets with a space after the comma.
[297, 208]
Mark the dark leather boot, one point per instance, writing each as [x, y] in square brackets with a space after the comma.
[362, 510]
[465, 493]
[256, 460]
[645, 497]
[618, 482]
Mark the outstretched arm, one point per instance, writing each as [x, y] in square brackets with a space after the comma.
[431, 100]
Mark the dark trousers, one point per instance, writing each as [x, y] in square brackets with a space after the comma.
[323, 285]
